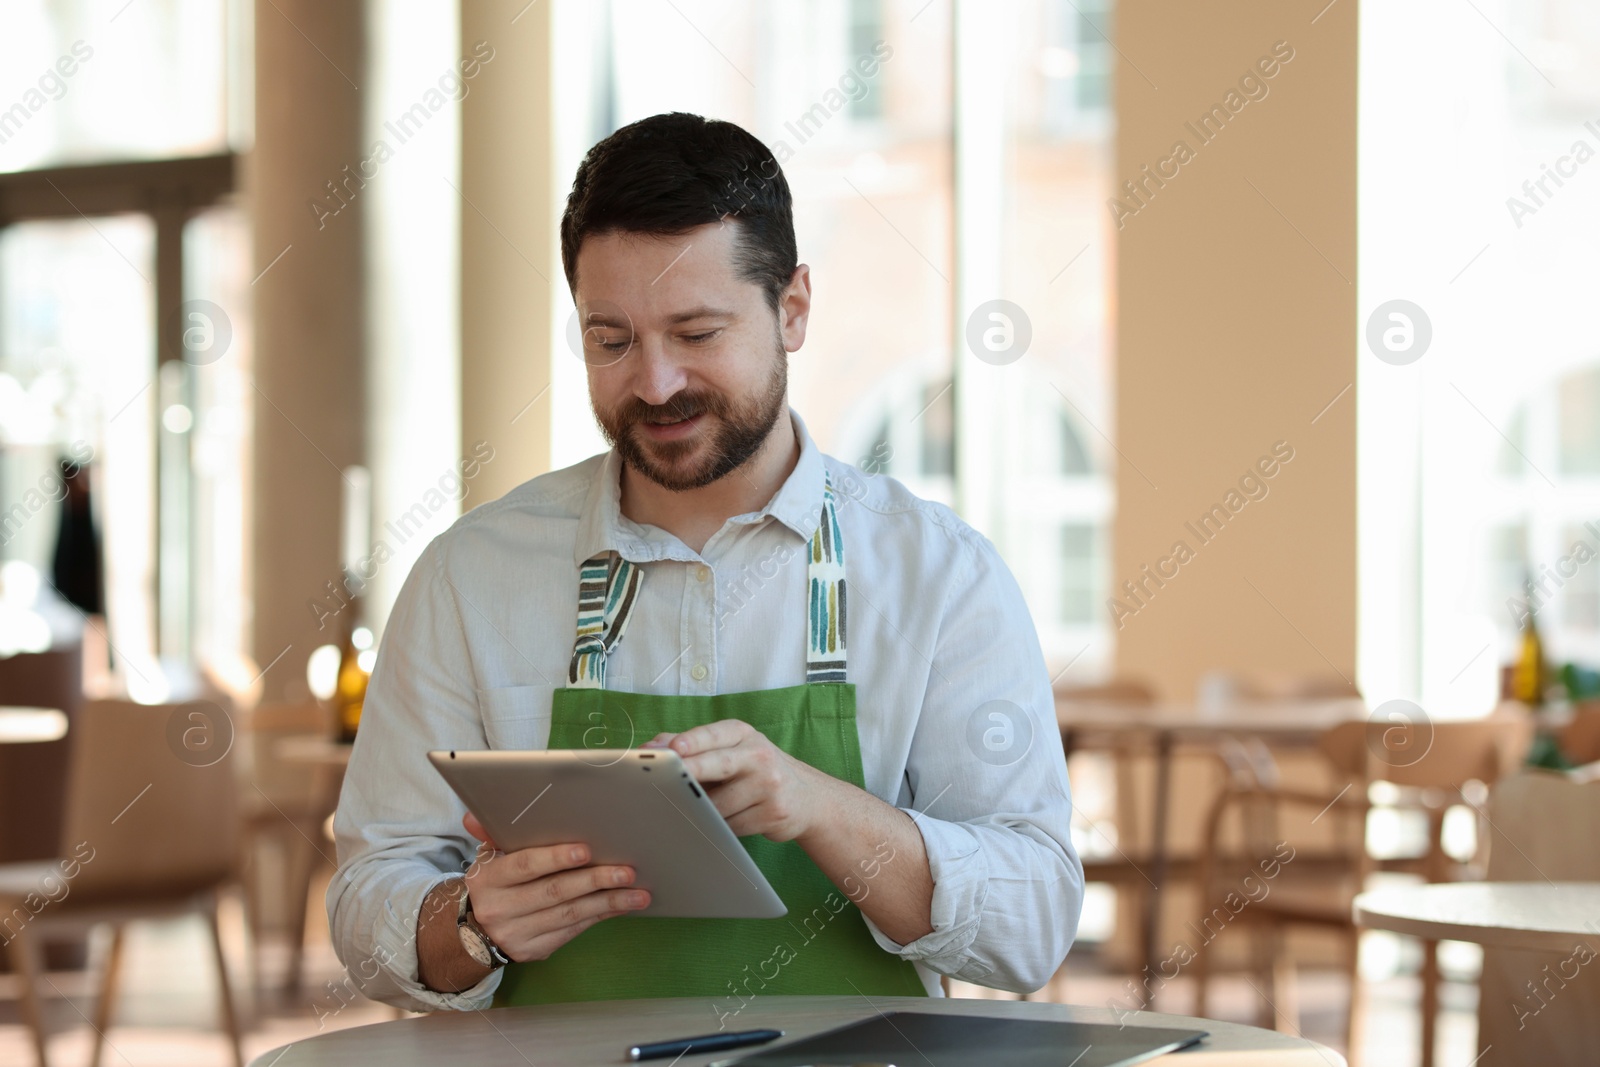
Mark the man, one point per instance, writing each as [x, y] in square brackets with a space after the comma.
[850, 671]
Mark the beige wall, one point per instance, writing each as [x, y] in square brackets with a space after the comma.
[1236, 324]
[508, 243]
[309, 339]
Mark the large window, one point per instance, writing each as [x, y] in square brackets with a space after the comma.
[1543, 549]
[85, 81]
[928, 180]
[84, 88]
[77, 350]
[1480, 459]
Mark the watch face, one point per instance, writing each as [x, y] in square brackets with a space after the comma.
[475, 946]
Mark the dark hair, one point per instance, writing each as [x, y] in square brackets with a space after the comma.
[672, 172]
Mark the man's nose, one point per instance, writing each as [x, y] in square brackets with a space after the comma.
[657, 376]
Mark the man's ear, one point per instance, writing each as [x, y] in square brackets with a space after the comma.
[794, 308]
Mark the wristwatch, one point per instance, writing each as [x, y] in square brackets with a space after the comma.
[479, 945]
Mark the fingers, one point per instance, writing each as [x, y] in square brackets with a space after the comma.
[732, 798]
[721, 764]
[725, 733]
[475, 828]
[559, 890]
[537, 934]
[511, 897]
[531, 864]
[661, 740]
[486, 854]
[530, 918]
[560, 900]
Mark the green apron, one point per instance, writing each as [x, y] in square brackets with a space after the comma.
[822, 946]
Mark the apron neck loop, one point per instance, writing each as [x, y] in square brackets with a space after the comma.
[825, 605]
[608, 589]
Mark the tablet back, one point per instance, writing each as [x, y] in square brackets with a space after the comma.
[638, 807]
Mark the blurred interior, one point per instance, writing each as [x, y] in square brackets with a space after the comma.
[271, 272]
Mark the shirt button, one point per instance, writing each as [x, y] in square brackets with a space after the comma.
[701, 573]
[698, 672]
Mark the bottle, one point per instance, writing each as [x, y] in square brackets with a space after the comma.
[355, 667]
[1529, 675]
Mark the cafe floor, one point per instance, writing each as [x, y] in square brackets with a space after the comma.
[166, 1013]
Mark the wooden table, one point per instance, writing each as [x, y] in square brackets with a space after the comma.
[328, 760]
[316, 751]
[1550, 916]
[1097, 724]
[576, 1035]
[20, 726]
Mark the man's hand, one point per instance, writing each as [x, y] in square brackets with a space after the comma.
[534, 901]
[756, 786]
[529, 902]
[847, 832]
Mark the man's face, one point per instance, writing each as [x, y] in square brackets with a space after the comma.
[687, 362]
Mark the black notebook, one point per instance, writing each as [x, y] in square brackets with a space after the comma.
[921, 1039]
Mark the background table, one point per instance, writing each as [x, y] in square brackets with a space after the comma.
[317, 751]
[1550, 916]
[1102, 724]
[578, 1035]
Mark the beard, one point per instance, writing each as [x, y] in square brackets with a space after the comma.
[721, 444]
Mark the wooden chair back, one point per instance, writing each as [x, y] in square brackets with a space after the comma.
[1542, 827]
[32, 776]
[1580, 740]
[1439, 755]
[1537, 818]
[151, 791]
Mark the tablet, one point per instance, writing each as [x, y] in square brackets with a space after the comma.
[638, 807]
[907, 1037]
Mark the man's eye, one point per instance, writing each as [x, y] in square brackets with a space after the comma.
[701, 338]
[615, 346]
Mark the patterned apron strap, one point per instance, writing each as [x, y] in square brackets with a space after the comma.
[825, 608]
[608, 588]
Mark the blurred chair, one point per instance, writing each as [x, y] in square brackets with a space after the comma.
[286, 802]
[151, 832]
[1318, 886]
[1544, 825]
[1580, 739]
[31, 776]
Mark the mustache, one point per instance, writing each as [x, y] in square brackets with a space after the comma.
[682, 406]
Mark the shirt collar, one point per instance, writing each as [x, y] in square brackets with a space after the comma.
[602, 526]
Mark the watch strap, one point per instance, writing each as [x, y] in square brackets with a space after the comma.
[465, 921]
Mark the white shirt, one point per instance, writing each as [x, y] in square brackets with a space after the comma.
[482, 634]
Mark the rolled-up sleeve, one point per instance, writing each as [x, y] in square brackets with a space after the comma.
[398, 825]
[989, 792]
